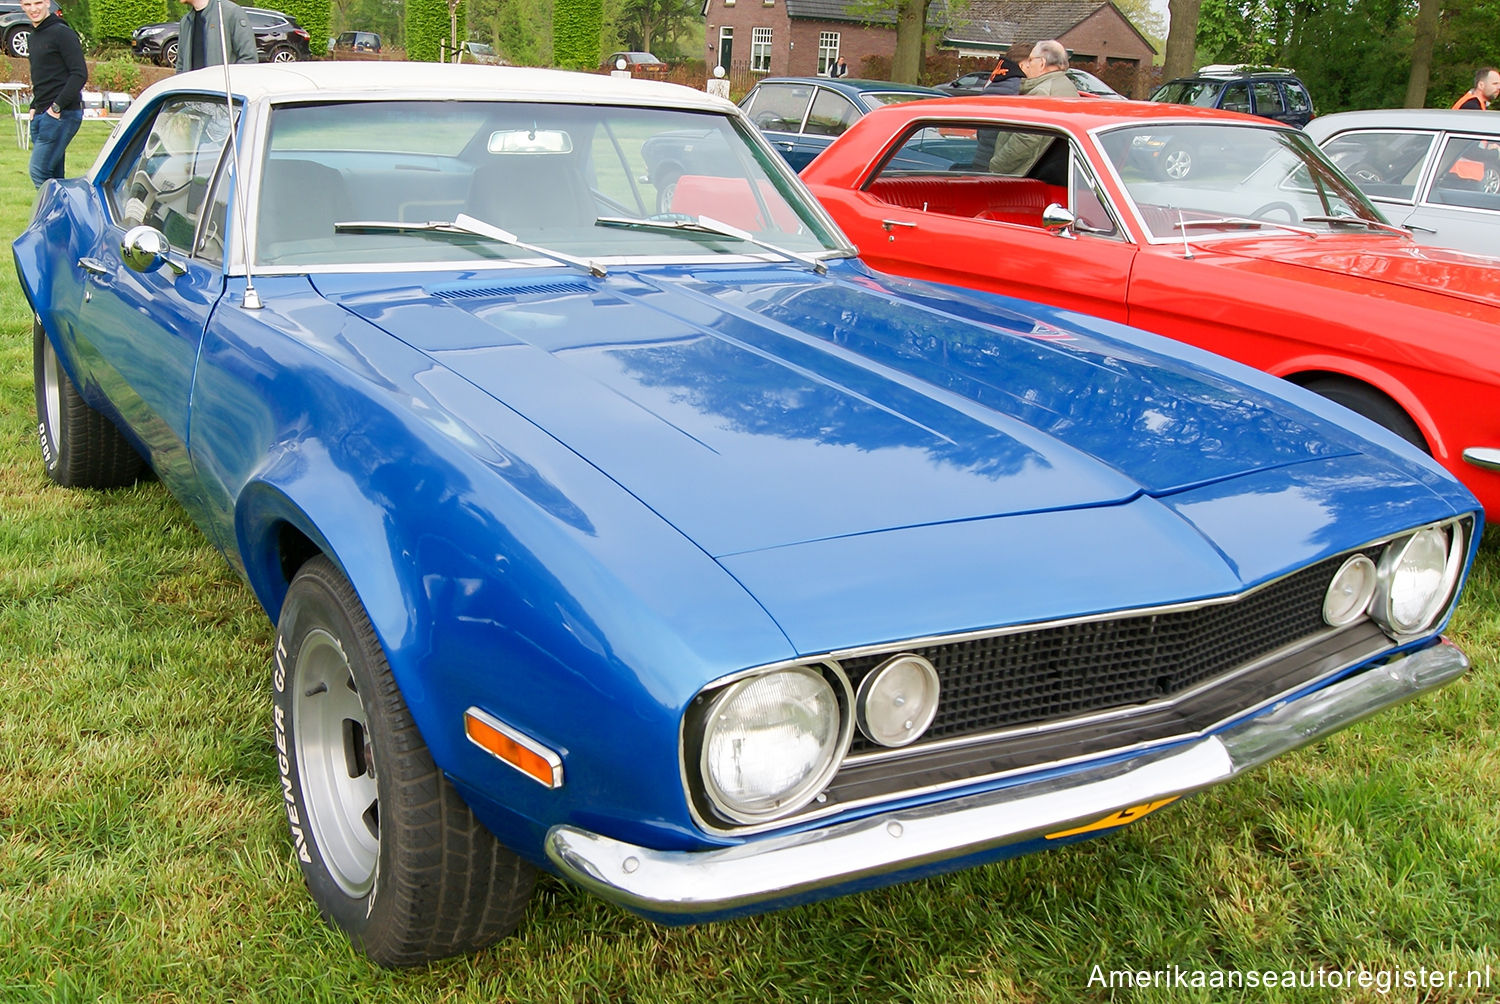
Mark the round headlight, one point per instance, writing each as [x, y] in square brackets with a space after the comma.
[1350, 592]
[897, 700]
[771, 743]
[1416, 579]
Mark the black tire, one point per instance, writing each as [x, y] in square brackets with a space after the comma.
[364, 800]
[666, 188]
[283, 54]
[168, 55]
[81, 448]
[1372, 404]
[18, 43]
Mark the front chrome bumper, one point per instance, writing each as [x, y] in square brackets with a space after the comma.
[799, 865]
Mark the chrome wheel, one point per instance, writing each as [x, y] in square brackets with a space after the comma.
[337, 763]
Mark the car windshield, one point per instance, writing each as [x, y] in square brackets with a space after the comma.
[544, 173]
[1229, 178]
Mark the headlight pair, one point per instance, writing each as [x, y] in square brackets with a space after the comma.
[1408, 590]
[770, 743]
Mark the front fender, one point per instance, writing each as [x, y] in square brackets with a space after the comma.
[498, 569]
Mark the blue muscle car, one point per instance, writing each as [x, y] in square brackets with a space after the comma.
[670, 548]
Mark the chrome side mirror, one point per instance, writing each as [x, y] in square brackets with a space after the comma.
[1058, 220]
[146, 249]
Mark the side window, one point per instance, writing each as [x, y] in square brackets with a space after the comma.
[1268, 98]
[1296, 98]
[1236, 98]
[1385, 165]
[779, 107]
[831, 114]
[1468, 174]
[944, 169]
[163, 179]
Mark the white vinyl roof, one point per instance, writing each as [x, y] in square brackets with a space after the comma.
[382, 79]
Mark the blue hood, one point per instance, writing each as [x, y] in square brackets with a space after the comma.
[762, 407]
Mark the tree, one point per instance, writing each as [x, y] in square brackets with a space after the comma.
[1182, 38]
[645, 24]
[577, 27]
[911, 40]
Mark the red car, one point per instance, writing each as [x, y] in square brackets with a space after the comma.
[1223, 230]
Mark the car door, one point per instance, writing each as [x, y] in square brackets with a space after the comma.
[830, 117]
[1460, 202]
[149, 323]
[968, 227]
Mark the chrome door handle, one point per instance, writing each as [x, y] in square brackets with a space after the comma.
[887, 225]
[93, 266]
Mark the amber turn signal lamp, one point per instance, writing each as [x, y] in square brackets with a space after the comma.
[506, 744]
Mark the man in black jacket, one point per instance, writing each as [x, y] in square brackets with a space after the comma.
[58, 74]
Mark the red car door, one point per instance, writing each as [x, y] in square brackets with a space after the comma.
[981, 230]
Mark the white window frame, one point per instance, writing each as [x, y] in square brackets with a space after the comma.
[760, 50]
[828, 51]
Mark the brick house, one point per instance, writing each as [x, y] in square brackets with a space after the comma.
[806, 37]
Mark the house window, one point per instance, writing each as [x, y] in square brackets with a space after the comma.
[828, 51]
[760, 50]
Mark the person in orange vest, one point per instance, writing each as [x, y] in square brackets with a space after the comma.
[1486, 88]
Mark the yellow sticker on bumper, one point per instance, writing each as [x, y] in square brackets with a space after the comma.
[1114, 819]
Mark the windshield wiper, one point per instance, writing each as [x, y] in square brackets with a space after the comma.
[1244, 221]
[708, 225]
[465, 224]
[1358, 222]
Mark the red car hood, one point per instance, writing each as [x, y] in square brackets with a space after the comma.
[1387, 260]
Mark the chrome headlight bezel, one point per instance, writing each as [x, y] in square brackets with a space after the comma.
[720, 700]
[1405, 560]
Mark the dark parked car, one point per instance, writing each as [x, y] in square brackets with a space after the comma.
[636, 62]
[1088, 85]
[357, 41]
[1272, 94]
[279, 38]
[802, 115]
[15, 28]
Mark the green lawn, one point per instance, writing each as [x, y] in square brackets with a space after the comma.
[143, 855]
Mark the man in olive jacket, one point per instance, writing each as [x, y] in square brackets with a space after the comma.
[199, 43]
[1046, 77]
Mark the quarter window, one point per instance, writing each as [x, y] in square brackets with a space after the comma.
[164, 177]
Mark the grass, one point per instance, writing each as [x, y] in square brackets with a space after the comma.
[143, 855]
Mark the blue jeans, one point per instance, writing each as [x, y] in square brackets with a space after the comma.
[49, 143]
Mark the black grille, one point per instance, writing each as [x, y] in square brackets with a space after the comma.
[1070, 670]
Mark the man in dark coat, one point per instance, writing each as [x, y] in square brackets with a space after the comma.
[199, 43]
[58, 74]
